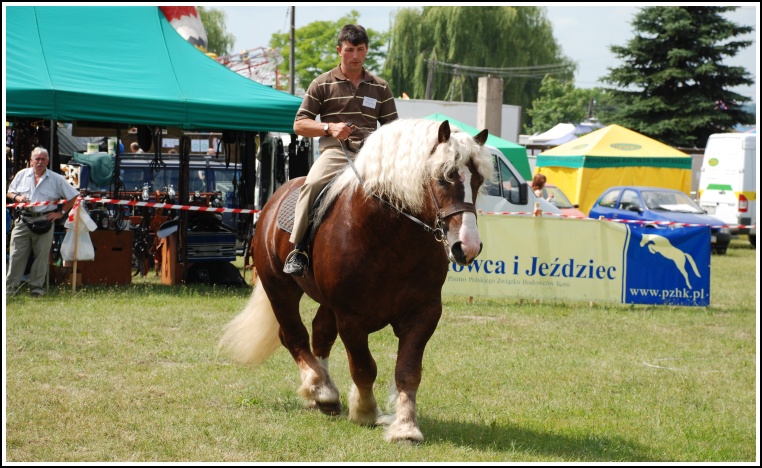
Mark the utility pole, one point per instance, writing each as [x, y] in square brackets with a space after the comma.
[489, 107]
[292, 59]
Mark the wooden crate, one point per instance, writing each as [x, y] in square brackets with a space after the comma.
[113, 259]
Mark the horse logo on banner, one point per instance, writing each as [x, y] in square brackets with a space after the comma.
[658, 244]
[671, 267]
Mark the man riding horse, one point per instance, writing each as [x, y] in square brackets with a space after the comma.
[351, 102]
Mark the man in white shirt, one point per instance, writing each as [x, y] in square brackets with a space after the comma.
[35, 184]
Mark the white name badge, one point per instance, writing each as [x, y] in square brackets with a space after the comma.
[369, 102]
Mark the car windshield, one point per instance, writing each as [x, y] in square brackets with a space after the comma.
[559, 199]
[670, 201]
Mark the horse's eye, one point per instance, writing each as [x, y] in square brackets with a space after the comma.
[447, 179]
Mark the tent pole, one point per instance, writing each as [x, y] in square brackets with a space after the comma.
[52, 141]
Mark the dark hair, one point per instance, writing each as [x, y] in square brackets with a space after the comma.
[354, 34]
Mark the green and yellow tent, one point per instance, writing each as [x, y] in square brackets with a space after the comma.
[613, 155]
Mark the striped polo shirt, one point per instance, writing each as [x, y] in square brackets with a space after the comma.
[334, 97]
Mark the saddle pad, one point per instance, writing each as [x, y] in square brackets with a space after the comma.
[288, 208]
[286, 211]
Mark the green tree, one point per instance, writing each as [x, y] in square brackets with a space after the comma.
[558, 102]
[316, 49]
[440, 52]
[219, 40]
[673, 85]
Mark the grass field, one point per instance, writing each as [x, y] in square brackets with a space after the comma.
[131, 374]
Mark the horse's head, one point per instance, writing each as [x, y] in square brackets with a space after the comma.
[426, 170]
[461, 167]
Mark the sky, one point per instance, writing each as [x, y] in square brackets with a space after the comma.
[584, 31]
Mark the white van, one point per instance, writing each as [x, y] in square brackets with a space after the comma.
[728, 181]
[510, 192]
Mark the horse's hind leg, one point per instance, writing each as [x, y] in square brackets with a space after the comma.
[317, 387]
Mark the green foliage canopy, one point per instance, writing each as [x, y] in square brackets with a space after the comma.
[219, 40]
[516, 43]
[673, 85]
[316, 48]
[559, 102]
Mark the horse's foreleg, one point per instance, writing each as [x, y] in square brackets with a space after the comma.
[407, 375]
[405, 424]
[324, 332]
[363, 408]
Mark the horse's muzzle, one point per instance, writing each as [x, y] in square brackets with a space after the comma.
[458, 256]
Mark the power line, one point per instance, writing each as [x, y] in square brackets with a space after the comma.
[534, 71]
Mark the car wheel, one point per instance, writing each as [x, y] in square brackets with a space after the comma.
[753, 240]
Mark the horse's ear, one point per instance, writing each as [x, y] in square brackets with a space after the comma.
[444, 131]
[481, 137]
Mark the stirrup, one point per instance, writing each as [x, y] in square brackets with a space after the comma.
[296, 263]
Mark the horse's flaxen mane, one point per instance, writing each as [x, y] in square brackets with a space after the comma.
[397, 159]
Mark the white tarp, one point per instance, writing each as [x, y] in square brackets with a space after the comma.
[560, 130]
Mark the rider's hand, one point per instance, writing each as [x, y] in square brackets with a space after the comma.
[341, 131]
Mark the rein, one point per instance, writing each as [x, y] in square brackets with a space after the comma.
[437, 231]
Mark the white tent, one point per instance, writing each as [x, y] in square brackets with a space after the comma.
[560, 130]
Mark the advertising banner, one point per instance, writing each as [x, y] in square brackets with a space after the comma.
[586, 260]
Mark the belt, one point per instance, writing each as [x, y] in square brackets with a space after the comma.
[34, 214]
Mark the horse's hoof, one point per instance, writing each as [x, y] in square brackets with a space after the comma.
[413, 440]
[403, 434]
[331, 409]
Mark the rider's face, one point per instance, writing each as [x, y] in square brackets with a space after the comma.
[352, 56]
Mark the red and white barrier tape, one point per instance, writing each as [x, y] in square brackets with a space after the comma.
[244, 210]
[660, 223]
[71, 212]
[139, 203]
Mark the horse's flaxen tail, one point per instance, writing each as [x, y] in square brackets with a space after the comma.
[693, 264]
[252, 336]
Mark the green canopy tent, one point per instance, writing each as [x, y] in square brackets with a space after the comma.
[515, 153]
[127, 65]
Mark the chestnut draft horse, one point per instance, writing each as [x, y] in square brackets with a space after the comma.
[386, 229]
